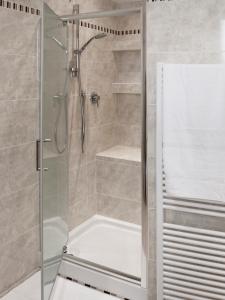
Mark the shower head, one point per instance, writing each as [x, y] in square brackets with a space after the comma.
[95, 37]
[100, 36]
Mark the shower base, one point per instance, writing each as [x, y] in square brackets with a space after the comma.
[108, 242]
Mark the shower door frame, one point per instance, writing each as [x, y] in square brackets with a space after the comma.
[51, 265]
[138, 288]
[159, 181]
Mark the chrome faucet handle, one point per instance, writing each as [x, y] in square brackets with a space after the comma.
[95, 98]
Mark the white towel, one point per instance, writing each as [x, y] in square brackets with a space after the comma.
[194, 131]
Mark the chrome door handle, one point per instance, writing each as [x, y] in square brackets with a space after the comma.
[38, 153]
[47, 140]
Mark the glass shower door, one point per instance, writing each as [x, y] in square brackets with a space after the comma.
[53, 146]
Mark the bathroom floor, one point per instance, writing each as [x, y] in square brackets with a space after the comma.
[64, 290]
[112, 243]
[30, 289]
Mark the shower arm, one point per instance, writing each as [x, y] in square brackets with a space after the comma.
[84, 46]
[79, 51]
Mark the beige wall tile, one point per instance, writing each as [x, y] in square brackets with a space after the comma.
[19, 201]
[128, 66]
[129, 109]
[98, 139]
[18, 122]
[23, 208]
[76, 157]
[78, 185]
[118, 208]
[17, 258]
[12, 42]
[81, 211]
[118, 180]
[128, 135]
[17, 166]
[103, 114]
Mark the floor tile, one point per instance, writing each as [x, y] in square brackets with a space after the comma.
[30, 288]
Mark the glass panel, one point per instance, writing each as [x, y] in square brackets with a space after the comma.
[54, 145]
[106, 177]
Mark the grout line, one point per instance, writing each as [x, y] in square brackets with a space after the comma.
[119, 161]
[19, 100]
[119, 198]
[17, 145]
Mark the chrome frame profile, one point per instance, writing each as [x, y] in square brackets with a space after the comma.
[120, 13]
[159, 184]
[102, 14]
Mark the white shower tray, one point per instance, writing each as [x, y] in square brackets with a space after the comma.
[112, 243]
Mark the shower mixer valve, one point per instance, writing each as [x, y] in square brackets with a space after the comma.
[95, 98]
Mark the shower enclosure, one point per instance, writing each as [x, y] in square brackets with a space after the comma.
[92, 150]
[99, 230]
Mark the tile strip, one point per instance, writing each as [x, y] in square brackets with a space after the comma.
[20, 7]
[109, 30]
[34, 11]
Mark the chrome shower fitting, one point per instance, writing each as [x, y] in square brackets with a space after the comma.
[75, 70]
[95, 37]
[74, 64]
[95, 98]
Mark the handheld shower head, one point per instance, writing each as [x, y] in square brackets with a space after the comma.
[100, 36]
[95, 37]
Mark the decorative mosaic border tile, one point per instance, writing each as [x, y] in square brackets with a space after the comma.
[34, 11]
[109, 30]
[20, 7]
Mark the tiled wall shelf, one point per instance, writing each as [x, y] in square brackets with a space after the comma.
[126, 88]
[132, 45]
[122, 154]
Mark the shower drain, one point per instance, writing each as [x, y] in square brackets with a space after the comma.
[94, 288]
